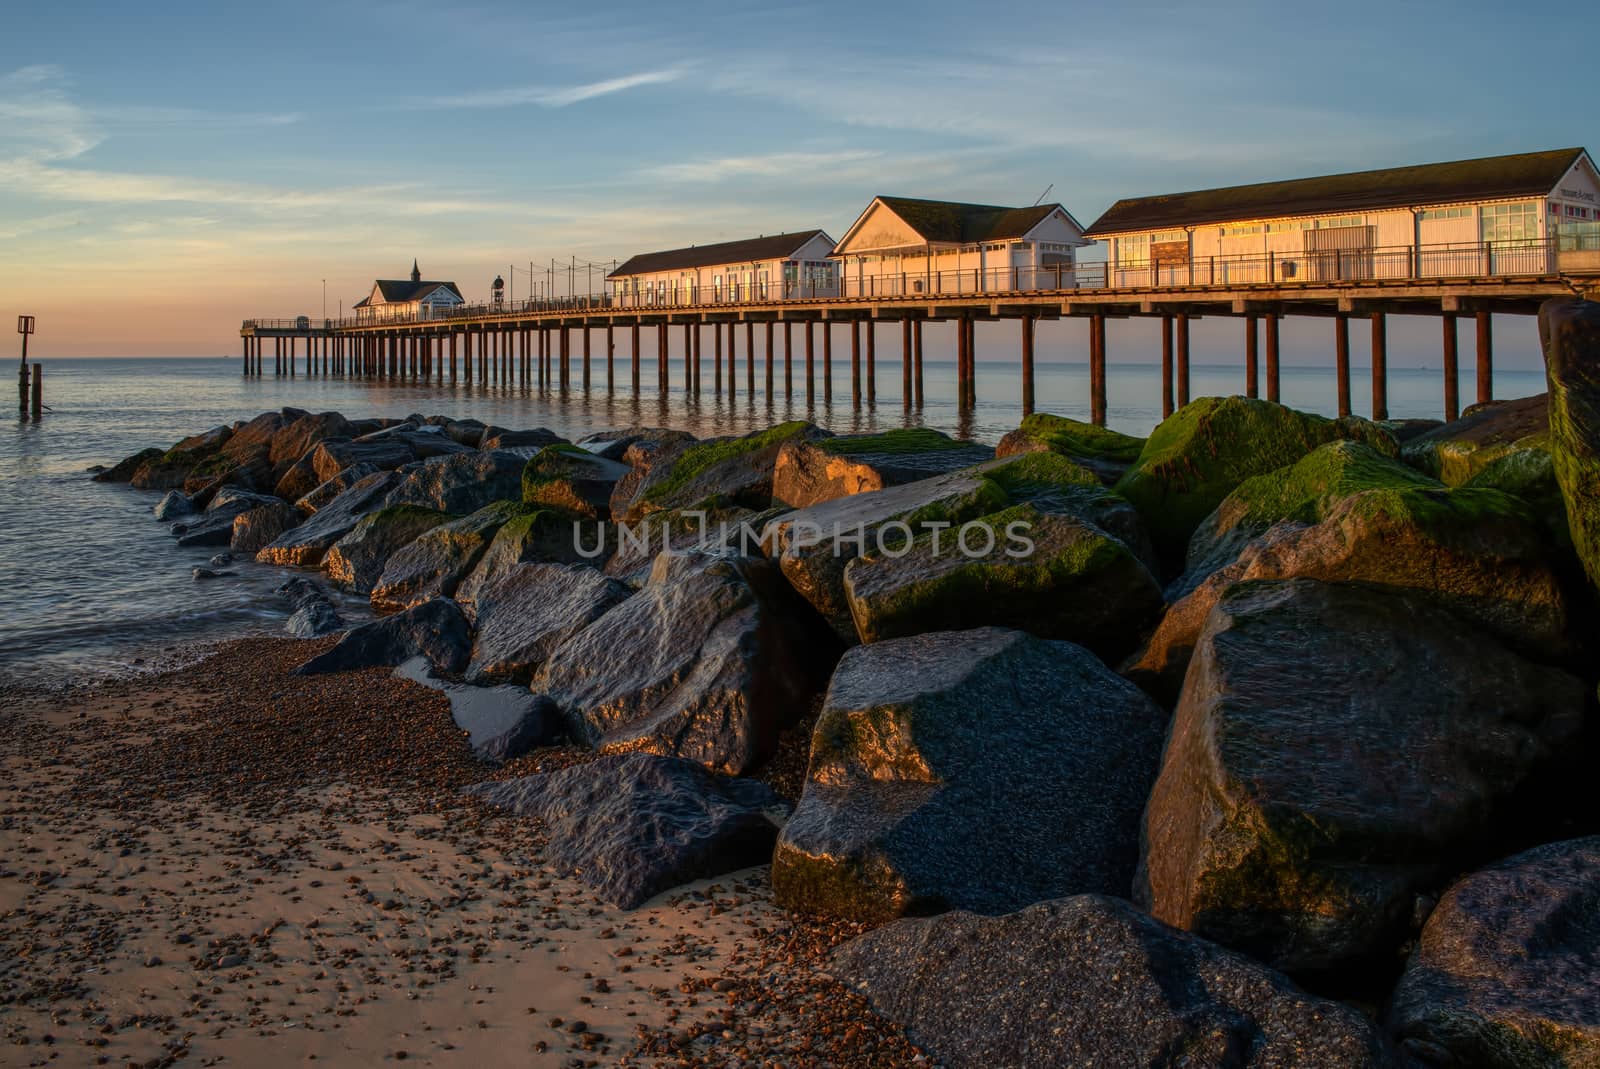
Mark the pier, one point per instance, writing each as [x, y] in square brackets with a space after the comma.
[573, 342]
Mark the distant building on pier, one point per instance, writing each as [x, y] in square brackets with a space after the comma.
[1499, 215]
[780, 267]
[401, 299]
[902, 246]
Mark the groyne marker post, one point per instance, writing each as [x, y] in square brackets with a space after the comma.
[25, 328]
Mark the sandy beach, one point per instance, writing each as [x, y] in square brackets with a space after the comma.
[226, 864]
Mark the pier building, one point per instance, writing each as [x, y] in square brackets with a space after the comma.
[393, 300]
[778, 267]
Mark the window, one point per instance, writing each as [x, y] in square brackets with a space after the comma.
[1239, 230]
[1459, 212]
[1133, 250]
[1339, 220]
[1284, 226]
[1161, 236]
[1502, 223]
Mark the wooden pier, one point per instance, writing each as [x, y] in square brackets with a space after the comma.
[531, 344]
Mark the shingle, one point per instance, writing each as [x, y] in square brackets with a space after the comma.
[952, 222]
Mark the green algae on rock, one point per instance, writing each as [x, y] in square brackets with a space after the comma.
[434, 564]
[810, 471]
[356, 561]
[1570, 331]
[572, 479]
[1108, 452]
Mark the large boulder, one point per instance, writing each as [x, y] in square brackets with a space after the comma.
[811, 471]
[126, 468]
[1506, 973]
[306, 544]
[461, 483]
[729, 470]
[529, 611]
[1106, 452]
[571, 479]
[710, 661]
[298, 437]
[327, 491]
[330, 458]
[1053, 575]
[1338, 750]
[813, 545]
[614, 444]
[214, 526]
[424, 442]
[1468, 551]
[434, 563]
[173, 504]
[530, 537]
[1199, 454]
[260, 526]
[1570, 331]
[635, 545]
[982, 770]
[357, 560]
[1454, 452]
[634, 825]
[1051, 482]
[641, 453]
[434, 629]
[521, 442]
[1089, 982]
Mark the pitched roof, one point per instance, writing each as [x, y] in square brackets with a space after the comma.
[399, 291]
[966, 224]
[1393, 187]
[775, 247]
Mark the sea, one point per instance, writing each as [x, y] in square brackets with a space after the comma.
[95, 586]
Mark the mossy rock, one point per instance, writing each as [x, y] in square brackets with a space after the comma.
[1201, 453]
[536, 536]
[357, 560]
[901, 440]
[739, 469]
[574, 480]
[1053, 575]
[435, 562]
[1454, 452]
[1109, 453]
[1570, 331]
[1054, 483]
[808, 472]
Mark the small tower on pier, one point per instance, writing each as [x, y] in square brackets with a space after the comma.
[497, 290]
[416, 272]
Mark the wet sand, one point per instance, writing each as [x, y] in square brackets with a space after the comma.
[231, 865]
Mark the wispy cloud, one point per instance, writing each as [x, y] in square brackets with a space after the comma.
[773, 164]
[554, 97]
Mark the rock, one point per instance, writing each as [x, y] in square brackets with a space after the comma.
[571, 479]
[1054, 483]
[331, 458]
[520, 441]
[434, 563]
[1052, 575]
[1403, 430]
[1089, 982]
[176, 503]
[214, 527]
[1456, 451]
[1505, 974]
[982, 770]
[1105, 452]
[125, 469]
[313, 614]
[501, 723]
[213, 439]
[299, 437]
[252, 440]
[434, 629]
[306, 544]
[1199, 454]
[709, 662]
[1467, 551]
[172, 469]
[732, 470]
[535, 536]
[220, 560]
[200, 572]
[634, 825]
[642, 454]
[527, 612]
[468, 432]
[1336, 751]
[813, 545]
[424, 442]
[614, 444]
[1570, 332]
[636, 545]
[261, 526]
[461, 484]
[357, 560]
[335, 486]
[811, 471]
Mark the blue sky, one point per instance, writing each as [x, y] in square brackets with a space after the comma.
[176, 167]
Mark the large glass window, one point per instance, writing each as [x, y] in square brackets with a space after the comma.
[1507, 223]
[1458, 212]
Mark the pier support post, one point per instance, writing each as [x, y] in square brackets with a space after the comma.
[961, 363]
[788, 360]
[1027, 365]
[566, 358]
[1252, 369]
[611, 358]
[454, 367]
[1272, 356]
[699, 332]
[916, 342]
[1485, 358]
[1097, 370]
[691, 356]
[855, 363]
[905, 363]
[749, 357]
[827, 361]
[716, 358]
[661, 358]
[634, 334]
[770, 327]
[1183, 359]
[1452, 369]
[1380, 366]
[1166, 366]
[872, 361]
[1341, 357]
[585, 329]
[244, 344]
[810, 365]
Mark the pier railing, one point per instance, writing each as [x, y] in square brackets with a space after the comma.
[1466, 262]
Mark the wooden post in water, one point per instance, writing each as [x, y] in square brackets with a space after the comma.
[1380, 366]
[961, 363]
[770, 327]
[810, 381]
[634, 333]
[1452, 369]
[716, 358]
[1097, 369]
[586, 356]
[689, 357]
[1183, 359]
[566, 358]
[827, 361]
[788, 359]
[1341, 358]
[661, 358]
[916, 341]
[454, 367]
[1485, 358]
[1166, 366]
[872, 360]
[1252, 362]
[1272, 356]
[905, 363]
[1027, 365]
[699, 346]
[749, 357]
[855, 363]
[38, 391]
[611, 358]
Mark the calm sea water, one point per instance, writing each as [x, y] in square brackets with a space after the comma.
[96, 585]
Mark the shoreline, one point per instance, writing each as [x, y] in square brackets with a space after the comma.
[224, 864]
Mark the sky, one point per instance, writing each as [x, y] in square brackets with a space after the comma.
[167, 170]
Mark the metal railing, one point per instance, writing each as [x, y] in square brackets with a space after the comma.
[1466, 262]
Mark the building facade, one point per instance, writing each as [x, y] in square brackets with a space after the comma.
[901, 246]
[416, 298]
[1495, 216]
[781, 267]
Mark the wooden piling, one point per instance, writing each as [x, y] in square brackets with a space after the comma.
[611, 357]
[1166, 366]
[1183, 359]
[1252, 369]
[38, 391]
[662, 348]
[1272, 356]
[916, 341]
[855, 363]
[1452, 369]
[1485, 358]
[1097, 370]
[1380, 366]
[716, 358]
[788, 359]
[827, 361]
[749, 357]
[1027, 365]
[22, 387]
[634, 333]
[905, 363]
[770, 328]
[872, 361]
[1341, 357]
[810, 364]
